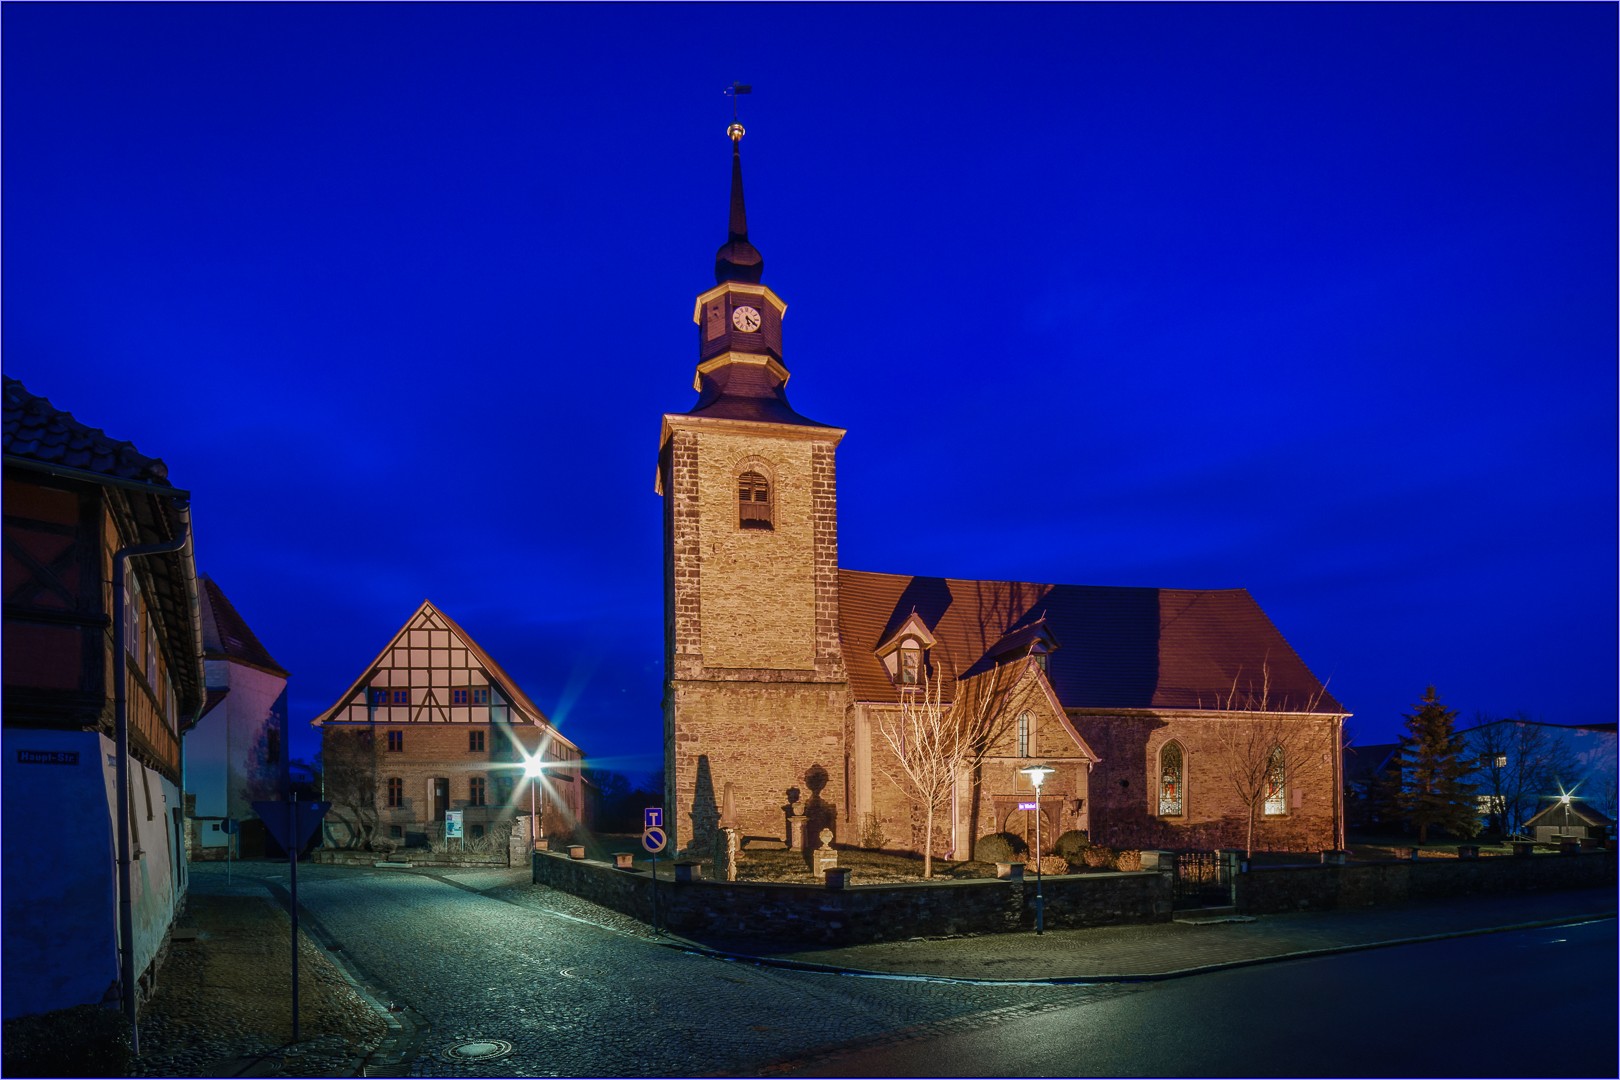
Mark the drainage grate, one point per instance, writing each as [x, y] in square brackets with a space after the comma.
[477, 1050]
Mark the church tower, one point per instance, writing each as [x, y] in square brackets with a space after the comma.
[755, 692]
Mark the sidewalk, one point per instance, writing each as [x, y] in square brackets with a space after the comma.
[1193, 944]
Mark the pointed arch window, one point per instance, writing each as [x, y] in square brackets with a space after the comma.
[1172, 780]
[1026, 723]
[754, 501]
[1276, 783]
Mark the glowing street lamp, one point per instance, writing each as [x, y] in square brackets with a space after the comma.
[1036, 774]
[533, 768]
[1564, 799]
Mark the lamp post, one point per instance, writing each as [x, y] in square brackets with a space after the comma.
[1564, 798]
[1036, 774]
[533, 768]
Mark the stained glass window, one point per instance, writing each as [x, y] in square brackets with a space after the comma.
[1171, 774]
[1276, 784]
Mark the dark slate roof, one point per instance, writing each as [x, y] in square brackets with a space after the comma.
[742, 391]
[1363, 764]
[737, 259]
[37, 430]
[1118, 648]
[226, 635]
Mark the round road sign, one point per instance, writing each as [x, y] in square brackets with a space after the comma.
[654, 839]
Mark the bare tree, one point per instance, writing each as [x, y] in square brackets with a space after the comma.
[1519, 761]
[1265, 756]
[349, 778]
[934, 742]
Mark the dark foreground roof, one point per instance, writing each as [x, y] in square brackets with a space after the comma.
[743, 391]
[39, 431]
[1118, 648]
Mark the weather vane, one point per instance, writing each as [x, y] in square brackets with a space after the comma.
[733, 91]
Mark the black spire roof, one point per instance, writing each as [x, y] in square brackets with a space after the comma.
[737, 259]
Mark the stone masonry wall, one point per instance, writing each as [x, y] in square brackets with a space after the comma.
[1124, 788]
[855, 915]
[1316, 888]
[764, 739]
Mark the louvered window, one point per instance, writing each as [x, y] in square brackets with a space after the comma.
[753, 501]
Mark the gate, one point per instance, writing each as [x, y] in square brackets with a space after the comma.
[1203, 879]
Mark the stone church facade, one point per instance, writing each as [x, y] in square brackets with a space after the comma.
[786, 675]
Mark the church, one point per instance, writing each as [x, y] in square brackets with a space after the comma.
[1168, 718]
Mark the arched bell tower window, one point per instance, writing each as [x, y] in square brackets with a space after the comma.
[1172, 780]
[754, 501]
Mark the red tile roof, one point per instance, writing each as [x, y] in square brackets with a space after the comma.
[39, 431]
[1118, 648]
[226, 635]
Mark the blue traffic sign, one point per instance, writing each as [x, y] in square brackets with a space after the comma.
[653, 839]
[291, 824]
[652, 817]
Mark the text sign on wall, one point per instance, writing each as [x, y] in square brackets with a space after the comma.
[1026, 806]
[47, 757]
[652, 817]
[452, 824]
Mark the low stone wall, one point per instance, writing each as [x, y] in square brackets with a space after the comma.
[413, 856]
[1316, 888]
[863, 913]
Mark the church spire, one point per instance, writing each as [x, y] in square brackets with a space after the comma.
[737, 259]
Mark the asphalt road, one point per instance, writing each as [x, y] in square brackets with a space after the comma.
[476, 957]
[1527, 1003]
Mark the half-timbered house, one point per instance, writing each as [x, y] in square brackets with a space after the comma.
[434, 724]
[82, 512]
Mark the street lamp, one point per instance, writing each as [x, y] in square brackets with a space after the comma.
[1564, 798]
[1036, 774]
[533, 768]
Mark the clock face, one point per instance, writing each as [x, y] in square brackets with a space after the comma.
[745, 319]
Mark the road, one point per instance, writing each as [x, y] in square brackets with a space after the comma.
[482, 955]
[1527, 1003]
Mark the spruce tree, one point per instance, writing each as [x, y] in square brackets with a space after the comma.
[1434, 763]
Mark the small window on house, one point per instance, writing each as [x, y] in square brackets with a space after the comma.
[396, 792]
[396, 832]
[753, 501]
[503, 790]
[1025, 722]
[476, 832]
[1172, 770]
[458, 697]
[910, 664]
[396, 741]
[272, 746]
[475, 742]
[402, 697]
[480, 695]
[1500, 761]
[378, 696]
[1040, 659]
[1276, 784]
[475, 791]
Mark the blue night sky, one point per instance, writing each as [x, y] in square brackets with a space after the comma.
[1314, 300]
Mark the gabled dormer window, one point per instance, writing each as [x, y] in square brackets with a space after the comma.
[754, 502]
[911, 663]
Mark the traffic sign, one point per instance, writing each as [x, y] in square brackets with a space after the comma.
[652, 817]
[653, 838]
[291, 823]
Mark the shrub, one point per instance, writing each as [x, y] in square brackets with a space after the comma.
[1000, 847]
[1071, 846]
[1128, 860]
[86, 1040]
[383, 845]
[872, 835]
[1050, 864]
[1099, 857]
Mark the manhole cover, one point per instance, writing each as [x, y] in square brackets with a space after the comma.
[477, 1050]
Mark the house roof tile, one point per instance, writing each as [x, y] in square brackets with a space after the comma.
[37, 430]
[226, 635]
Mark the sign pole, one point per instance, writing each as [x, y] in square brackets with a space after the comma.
[292, 857]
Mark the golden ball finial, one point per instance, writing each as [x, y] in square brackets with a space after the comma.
[736, 132]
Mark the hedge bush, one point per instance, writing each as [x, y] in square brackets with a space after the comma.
[1000, 847]
[1071, 847]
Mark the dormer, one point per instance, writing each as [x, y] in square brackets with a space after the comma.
[1034, 640]
[904, 653]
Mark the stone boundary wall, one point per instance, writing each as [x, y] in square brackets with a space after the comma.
[1316, 888]
[864, 913]
[413, 856]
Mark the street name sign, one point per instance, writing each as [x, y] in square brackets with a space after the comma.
[1026, 806]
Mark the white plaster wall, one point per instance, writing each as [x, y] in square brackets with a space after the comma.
[60, 871]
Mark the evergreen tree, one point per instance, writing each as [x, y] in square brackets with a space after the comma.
[1434, 765]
